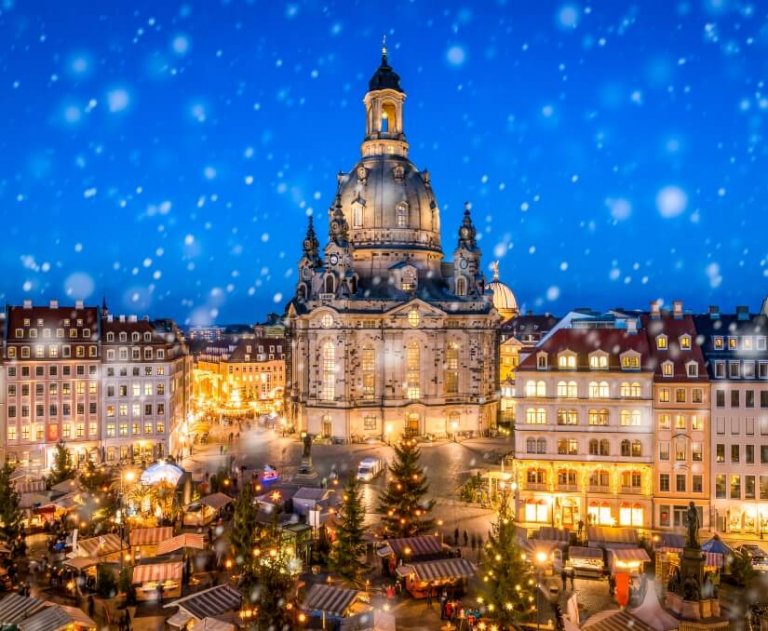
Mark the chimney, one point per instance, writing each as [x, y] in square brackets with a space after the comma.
[54, 304]
[714, 312]
[132, 318]
[27, 304]
[742, 312]
[677, 309]
[631, 326]
[110, 318]
[78, 304]
[122, 318]
[655, 309]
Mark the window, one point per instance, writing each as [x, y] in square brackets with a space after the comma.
[697, 484]
[631, 418]
[718, 343]
[598, 361]
[661, 342]
[637, 449]
[600, 479]
[567, 360]
[734, 370]
[732, 343]
[535, 389]
[735, 487]
[749, 370]
[599, 390]
[720, 398]
[692, 369]
[763, 454]
[696, 452]
[413, 370]
[368, 369]
[663, 395]
[749, 487]
[762, 370]
[567, 417]
[749, 454]
[630, 362]
[568, 447]
[328, 387]
[536, 416]
[697, 395]
[598, 417]
[734, 453]
[605, 447]
[402, 215]
[625, 448]
[685, 342]
[667, 369]
[680, 483]
[567, 390]
[451, 376]
[680, 396]
[664, 421]
[530, 445]
[720, 453]
[681, 451]
[720, 485]
[734, 398]
[664, 482]
[749, 398]
[630, 390]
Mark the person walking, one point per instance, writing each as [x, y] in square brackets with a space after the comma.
[456, 536]
[564, 578]
[466, 539]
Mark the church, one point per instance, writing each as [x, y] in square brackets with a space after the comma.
[388, 339]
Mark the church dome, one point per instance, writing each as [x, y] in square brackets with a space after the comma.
[504, 300]
[389, 203]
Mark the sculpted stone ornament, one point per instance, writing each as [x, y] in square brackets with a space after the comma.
[693, 526]
[362, 174]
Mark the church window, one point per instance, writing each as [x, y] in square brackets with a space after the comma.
[368, 367]
[329, 285]
[461, 286]
[414, 318]
[357, 216]
[452, 369]
[402, 215]
[413, 370]
[326, 320]
[328, 391]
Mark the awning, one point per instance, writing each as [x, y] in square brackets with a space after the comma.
[157, 572]
[179, 542]
[30, 486]
[631, 554]
[713, 559]
[615, 621]
[179, 619]
[150, 536]
[416, 546]
[579, 552]
[715, 544]
[99, 546]
[56, 617]
[80, 563]
[212, 624]
[330, 599]
[14, 608]
[608, 534]
[209, 603]
[444, 569]
[216, 500]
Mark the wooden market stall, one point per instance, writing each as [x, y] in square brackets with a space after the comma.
[144, 541]
[150, 576]
[421, 579]
[627, 560]
[586, 562]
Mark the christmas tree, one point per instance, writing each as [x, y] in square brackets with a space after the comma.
[405, 511]
[509, 585]
[349, 546]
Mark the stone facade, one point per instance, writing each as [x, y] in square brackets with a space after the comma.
[387, 338]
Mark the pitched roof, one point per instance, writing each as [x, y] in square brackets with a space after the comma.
[674, 328]
[210, 602]
[330, 599]
[150, 536]
[14, 608]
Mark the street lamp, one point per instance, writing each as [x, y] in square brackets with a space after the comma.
[128, 476]
[541, 558]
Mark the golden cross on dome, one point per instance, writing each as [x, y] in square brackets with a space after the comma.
[384, 46]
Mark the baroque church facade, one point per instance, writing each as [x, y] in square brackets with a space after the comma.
[388, 338]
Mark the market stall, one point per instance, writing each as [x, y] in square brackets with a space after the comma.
[421, 579]
[144, 541]
[156, 581]
[586, 562]
[627, 560]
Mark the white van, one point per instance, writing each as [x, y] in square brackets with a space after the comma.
[369, 468]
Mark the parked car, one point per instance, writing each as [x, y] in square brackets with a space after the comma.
[758, 556]
[369, 468]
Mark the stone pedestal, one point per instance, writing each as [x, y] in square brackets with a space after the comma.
[306, 473]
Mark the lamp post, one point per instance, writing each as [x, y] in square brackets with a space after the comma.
[541, 558]
[129, 476]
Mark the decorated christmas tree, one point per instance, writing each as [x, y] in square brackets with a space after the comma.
[349, 547]
[405, 510]
[509, 584]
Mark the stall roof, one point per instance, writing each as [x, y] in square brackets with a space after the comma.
[216, 501]
[210, 602]
[439, 570]
[615, 620]
[102, 545]
[670, 542]
[547, 533]
[157, 572]
[418, 546]
[14, 608]
[608, 534]
[312, 494]
[631, 554]
[56, 617]
[179, 542]
[330, 599]
[150, 536]
[585, 553]
[715, 544]
[80, 563]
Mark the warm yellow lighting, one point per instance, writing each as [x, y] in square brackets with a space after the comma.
[541, 556]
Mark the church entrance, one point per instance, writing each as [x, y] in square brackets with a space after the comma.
[412, 424]
[327, 428]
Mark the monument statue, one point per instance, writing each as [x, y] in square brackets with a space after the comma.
[693, 526]
[307, 446]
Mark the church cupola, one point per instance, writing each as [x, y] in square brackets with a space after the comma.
[384, 133]
[339, 277]
[339, 228]
[310, 264]
[467, 278]
[311, 246]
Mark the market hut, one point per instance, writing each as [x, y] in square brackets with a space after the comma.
[335, 606]
[220, 602]
[105, 548]
[156, 581]
[144, 541]
[421, 579]
[628, 560]
[185, 541]
[588, 562]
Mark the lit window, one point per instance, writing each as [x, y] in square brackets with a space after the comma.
[598, 362]
[566, 360]
[718, 343]
[368, 368]
[328, 388]
[451, 377]
[667, 369]
[661, 342]
[685, 342]
[413, 370]
[414, 318]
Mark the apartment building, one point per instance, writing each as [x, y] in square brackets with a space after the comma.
[736, 350]
[147, 380]
[583, 433]
[681, 417]
[52, 384]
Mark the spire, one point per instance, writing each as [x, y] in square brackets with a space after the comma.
[467, 231]
[104, 308]
[384, 50]
[311, 246]
[339, 227]
[384, 78]
[495, 270]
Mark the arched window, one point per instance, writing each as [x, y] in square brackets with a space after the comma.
[388, 118]
[625, 448]
[413, 370]
[599, 390]
[600, 479]
[451, 376]
[530, 388]
[302, 292]
[368, 368]
[631, 515]
[637, 448]
[536, 416]
[605, 447]
[569, 390]
[530, 445]
[566, 360]
[541, 446]
[402, 215]
[537, 476]
[357, 216]
[567, 417]
[598, 417]
[624, 390]
[635, 390]
[461, 286]
[328, 390]
[594, 448]
[329, 284]
[110, 337]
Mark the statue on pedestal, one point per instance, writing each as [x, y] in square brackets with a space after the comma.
[307, 446]
[693, 526]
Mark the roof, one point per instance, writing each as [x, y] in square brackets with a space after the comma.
[150, 536]
[631, 554]
[581, 552]
[55, 617]
[157, 572]
[66, 318]
[210, 602]
[384, 78]
[14, 608]
[439, 570]
[609, 534]
[419, 546]
[529, 327]
[80, 563]
[179, 542]
[102, 545]
[503, 298]
[724, 326]
[615, 620]
[311, 493]
[675, 328]
[216, 500]
[583, 342]
[329, 599]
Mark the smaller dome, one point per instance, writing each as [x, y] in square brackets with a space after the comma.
[384, 78]
[503, 298]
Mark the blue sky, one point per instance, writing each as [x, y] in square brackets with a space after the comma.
[165, 155]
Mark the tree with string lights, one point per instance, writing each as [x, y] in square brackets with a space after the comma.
[509, 584]
[404, 508]
[349, 547]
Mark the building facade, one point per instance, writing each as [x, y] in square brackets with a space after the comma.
[736, 351]
[146, 387]
[388, 338]
[53, 386]
[583, 432]
[680, 417]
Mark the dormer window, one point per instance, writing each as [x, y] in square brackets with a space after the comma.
[408, 280]
[718, 342]
[746, 344]
[630, 361]
[685, 342]
[692, 369]
[733, 343]
[598, 361]
[566, 361]
[541, 361]
[461, 286]
[661, 342]
[667, 369]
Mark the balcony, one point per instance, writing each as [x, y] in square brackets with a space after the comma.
[570, 488]
[536, 486]
[632, 490]
[599, 488]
